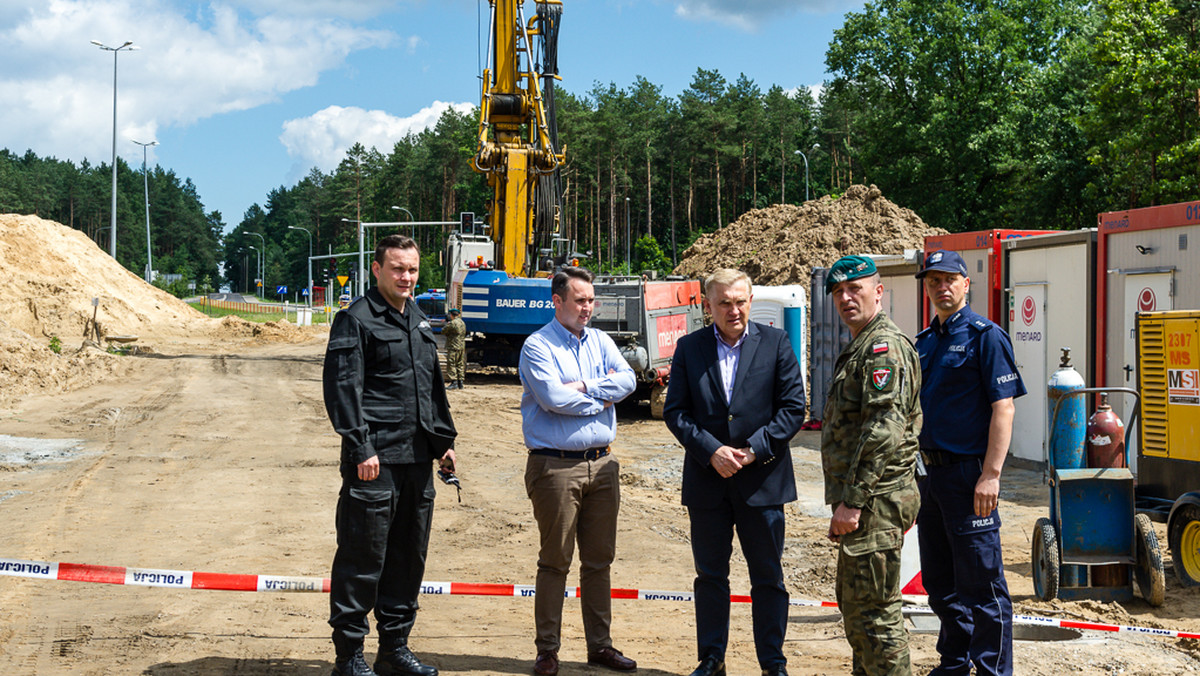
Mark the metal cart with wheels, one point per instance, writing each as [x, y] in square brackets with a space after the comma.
[1093, 545]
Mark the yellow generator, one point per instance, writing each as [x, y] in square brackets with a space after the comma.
[1168, 472]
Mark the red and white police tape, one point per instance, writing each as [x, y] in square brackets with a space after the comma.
[177, 579]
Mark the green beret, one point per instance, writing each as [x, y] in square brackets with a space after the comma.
[847, 268]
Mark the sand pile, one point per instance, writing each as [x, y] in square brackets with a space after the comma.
[53, 272]
[281, 331]
[781, 244]
[28, 365]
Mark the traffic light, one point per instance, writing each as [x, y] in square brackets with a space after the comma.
[466, 222]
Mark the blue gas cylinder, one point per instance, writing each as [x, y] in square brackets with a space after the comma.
[1066, 447]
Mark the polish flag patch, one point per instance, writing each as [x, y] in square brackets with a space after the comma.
[879, 348]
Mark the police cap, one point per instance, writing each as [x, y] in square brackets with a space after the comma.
[944, 261]
[847, 268]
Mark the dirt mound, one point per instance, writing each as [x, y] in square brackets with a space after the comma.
[51, 275]
[281, 331]
[781, 244]
[28, 365]
[53, 272]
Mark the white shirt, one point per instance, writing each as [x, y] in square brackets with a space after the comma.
[727, 358]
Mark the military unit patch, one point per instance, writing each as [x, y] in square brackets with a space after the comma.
[881, 377]
[879, 348]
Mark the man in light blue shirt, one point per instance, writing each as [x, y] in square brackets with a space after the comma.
[572, 375]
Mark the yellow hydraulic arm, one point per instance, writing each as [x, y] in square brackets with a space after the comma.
[515, 143]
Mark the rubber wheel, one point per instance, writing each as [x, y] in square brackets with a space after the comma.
[658, 399]
[1148, 572]
[1045, 560]
[1183, 535]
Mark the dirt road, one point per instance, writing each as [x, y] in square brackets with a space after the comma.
[226, 463]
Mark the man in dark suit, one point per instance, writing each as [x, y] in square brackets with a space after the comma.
[735, 400]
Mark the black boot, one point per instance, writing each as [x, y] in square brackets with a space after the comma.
[460, 385]
[354, 665]
[452, 385]
[400, 660]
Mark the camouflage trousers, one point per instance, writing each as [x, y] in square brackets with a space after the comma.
[868, 584]
[456, 365]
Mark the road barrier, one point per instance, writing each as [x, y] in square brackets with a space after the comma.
[176, 579]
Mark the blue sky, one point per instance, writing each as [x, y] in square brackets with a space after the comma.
[247, 95]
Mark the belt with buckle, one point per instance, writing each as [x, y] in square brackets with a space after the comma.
[589, 454]
[934, 458]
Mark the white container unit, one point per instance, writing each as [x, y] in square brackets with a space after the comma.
[902, 295]
[1050, 289]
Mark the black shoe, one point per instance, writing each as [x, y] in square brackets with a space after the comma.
[459, 385]
[355, 666]
[710, 666]
[453, 385]
[401, 661]
[775, 671]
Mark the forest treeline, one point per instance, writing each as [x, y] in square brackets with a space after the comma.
[975, 114]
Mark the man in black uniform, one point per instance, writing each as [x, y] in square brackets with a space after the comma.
[385, 396]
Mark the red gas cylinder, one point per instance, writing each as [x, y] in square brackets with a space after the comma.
[1105, 437]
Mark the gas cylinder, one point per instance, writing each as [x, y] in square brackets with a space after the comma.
[1105, 437]
[1106, 448]
[1065, 448]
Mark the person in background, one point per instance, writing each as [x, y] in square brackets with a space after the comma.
[455, 334]
[869, 456]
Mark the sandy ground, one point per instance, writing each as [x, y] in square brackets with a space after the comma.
[225, 462]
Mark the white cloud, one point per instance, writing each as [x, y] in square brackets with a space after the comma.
[193, 63]
[813, 90]
[352, 9]
[321, 139]
[748, 15]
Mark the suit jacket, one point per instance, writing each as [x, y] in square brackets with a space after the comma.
[765, 411]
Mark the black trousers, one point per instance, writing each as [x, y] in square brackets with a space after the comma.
[760, 532]
[382, 537]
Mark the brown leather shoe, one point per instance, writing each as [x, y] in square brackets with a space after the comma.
[546, 663]
[613, 659]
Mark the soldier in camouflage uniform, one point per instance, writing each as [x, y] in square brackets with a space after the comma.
[869, 455]
[455, 333]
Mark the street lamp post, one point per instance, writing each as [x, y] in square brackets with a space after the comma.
[628, 259]
[815, 146]
[257, 259]
[310, 286]
[262, 266]
[412, 229]
[801, 154]
[146, 187]
[112, 244]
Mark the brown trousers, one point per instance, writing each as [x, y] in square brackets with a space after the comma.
[574, 500]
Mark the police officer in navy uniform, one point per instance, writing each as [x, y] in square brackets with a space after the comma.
[969, 382]
[386, 398]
